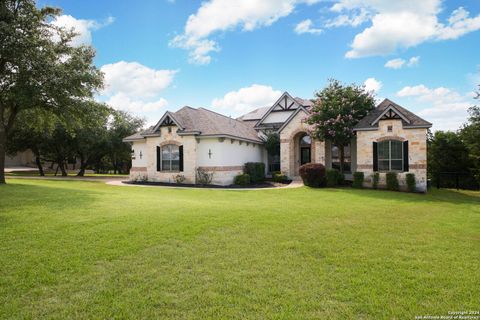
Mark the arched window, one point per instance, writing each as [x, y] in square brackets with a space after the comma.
[390, 155]
[305, 141]
[170, 158]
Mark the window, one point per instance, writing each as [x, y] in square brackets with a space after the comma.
[390, 155]
[346, 158]
[170, 158]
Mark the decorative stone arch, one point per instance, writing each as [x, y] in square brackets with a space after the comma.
[390, 138]
[164, 143]
[294, 150]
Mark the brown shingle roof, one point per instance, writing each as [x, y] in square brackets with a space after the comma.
[415, 121]
[204, 122]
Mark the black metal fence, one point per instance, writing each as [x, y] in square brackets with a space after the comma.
[456, 180]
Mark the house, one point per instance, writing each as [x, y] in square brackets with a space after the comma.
[389, 138]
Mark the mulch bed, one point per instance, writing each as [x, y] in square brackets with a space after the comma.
[265, 184]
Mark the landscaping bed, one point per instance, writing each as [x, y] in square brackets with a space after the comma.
[261, 185]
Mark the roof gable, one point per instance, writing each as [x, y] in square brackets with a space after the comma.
[168, 119]
[388, 109]
[285, 103]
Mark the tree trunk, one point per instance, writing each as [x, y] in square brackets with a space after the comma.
[39, 165]
[83, 166]
[61, 164]
[342, 157]
[3, 147]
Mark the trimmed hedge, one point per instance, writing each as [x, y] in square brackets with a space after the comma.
[411, 182]
[313, 175]
[279, 177]
[242, 179]
[334, 178]
[256, 170]
[358, 178]
[392, 181]
[376, 178]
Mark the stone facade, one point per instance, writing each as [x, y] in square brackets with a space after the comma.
[167, 136]
[290, 148]
[417, 151]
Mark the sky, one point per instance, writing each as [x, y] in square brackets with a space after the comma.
[234, 56]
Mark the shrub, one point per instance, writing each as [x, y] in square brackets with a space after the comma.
[411, 183]
[376, 178]
[279, 177]
[256, 170]
[313, 174]
[203, 176]
[242, 179]
[180, 178]
[358, 179]
[334, 178]
[392, 181]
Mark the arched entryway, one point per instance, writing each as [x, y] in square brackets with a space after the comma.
[301, 151]
[305, 149]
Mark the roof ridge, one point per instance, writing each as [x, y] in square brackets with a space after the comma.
[222, 115]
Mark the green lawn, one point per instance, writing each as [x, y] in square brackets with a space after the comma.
[75, 249]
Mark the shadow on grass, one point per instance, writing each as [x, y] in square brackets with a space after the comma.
[433, 195]
[17, 196]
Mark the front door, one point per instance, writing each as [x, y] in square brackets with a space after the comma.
[305, 155]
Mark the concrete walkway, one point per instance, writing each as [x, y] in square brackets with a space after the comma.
[120, 182]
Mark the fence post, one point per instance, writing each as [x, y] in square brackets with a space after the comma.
[456, 180]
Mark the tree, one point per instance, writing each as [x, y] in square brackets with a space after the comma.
[91, 135]
[39, 68]
[336, 110]
[32, 130]
[470, 134]
[121, 125]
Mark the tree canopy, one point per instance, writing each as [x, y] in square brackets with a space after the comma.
[39, 69]
[337, 109]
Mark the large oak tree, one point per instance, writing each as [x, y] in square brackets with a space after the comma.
[39, 68]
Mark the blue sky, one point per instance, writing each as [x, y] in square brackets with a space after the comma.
[233, 56]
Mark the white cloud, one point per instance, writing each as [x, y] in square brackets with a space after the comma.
[399, 63]
[83, 28]
[402, 24]
[354, 20]
[372, 85]
[121, 101]
[135, 79]
[246, 99]
[215, 16]
[395, 63]
[306, 26]
[444, 107]
[134, 87]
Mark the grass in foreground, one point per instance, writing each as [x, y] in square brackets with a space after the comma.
[72, 249]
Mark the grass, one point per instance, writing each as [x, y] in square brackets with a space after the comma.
[77, 249]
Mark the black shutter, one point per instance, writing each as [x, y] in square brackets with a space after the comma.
[180, 153]
[405, 156]
[375, 157]
[158, 158]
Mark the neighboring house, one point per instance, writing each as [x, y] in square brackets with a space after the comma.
[389, 138]
[21, 159]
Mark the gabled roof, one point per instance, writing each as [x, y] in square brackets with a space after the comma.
[293, 115]
[204, 123]
[388, 109]
[285, 103]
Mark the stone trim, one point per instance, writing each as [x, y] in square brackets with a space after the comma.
[164, 143]
[222, 168]
[390, 138]
[417, 166]
[138, 169]
[284, 140]
[365, 166]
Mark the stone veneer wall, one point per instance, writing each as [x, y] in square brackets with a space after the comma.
[289, 146]
[417, 152]
[150, 171]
